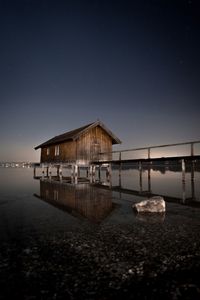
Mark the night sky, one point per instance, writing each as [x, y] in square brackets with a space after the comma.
[135, 65]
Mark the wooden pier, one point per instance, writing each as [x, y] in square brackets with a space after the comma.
[119, 159]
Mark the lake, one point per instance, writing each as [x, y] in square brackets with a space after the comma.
[61, 239]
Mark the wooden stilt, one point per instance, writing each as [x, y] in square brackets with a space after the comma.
[94, 171]
[72, 170]
[183, 169]
[91, 171]
[149, 153]
[99, 173]
[108, 173]
[60, 172]
[42, 171]
[149, 179]
[76, 170]
[58, 167]
[192, 180]
[183, 180]
[140, 171]
[34, 172]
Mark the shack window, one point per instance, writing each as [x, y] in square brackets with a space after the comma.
[57, 150]
[48, 151]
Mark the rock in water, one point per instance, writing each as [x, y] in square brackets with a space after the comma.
[152, 205]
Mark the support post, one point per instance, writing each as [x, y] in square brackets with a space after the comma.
[192, 181]
[183, 169]
[99, 173]
[183, 180]
[72, 170]
[192, 149]
[58, 167]
[60, 172]
[76, 170]
[50, 172]
[149, 179]
[94, 171]
[108, 173]
[42, 171]
[140, 172]
[149, 153]
[120, 167]
[90, 171]
[34, 172]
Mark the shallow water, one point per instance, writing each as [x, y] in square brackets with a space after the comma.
[49, 206]
[83, 241]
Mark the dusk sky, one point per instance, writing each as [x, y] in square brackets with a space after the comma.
[135, 65]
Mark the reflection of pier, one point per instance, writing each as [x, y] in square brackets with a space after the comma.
[80, 199]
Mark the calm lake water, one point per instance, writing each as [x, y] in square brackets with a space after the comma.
[38, 206]
[62, 240]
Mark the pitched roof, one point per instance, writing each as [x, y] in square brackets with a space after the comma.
[74, 134]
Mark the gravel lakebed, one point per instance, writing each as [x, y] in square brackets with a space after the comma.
[142, 260]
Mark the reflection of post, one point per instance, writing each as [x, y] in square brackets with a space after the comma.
[140, 171]
[149, 179]
[183, 180]
[192, 180]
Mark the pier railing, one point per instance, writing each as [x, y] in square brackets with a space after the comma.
[146, 152]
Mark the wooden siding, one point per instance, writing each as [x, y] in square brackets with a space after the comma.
[90, 144]
[86, 148]
[67, 153]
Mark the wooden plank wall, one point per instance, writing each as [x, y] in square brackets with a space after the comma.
[86, 148]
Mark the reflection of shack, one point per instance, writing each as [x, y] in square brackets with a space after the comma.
[82, 199]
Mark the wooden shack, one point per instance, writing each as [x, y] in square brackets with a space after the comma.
[80, 146]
